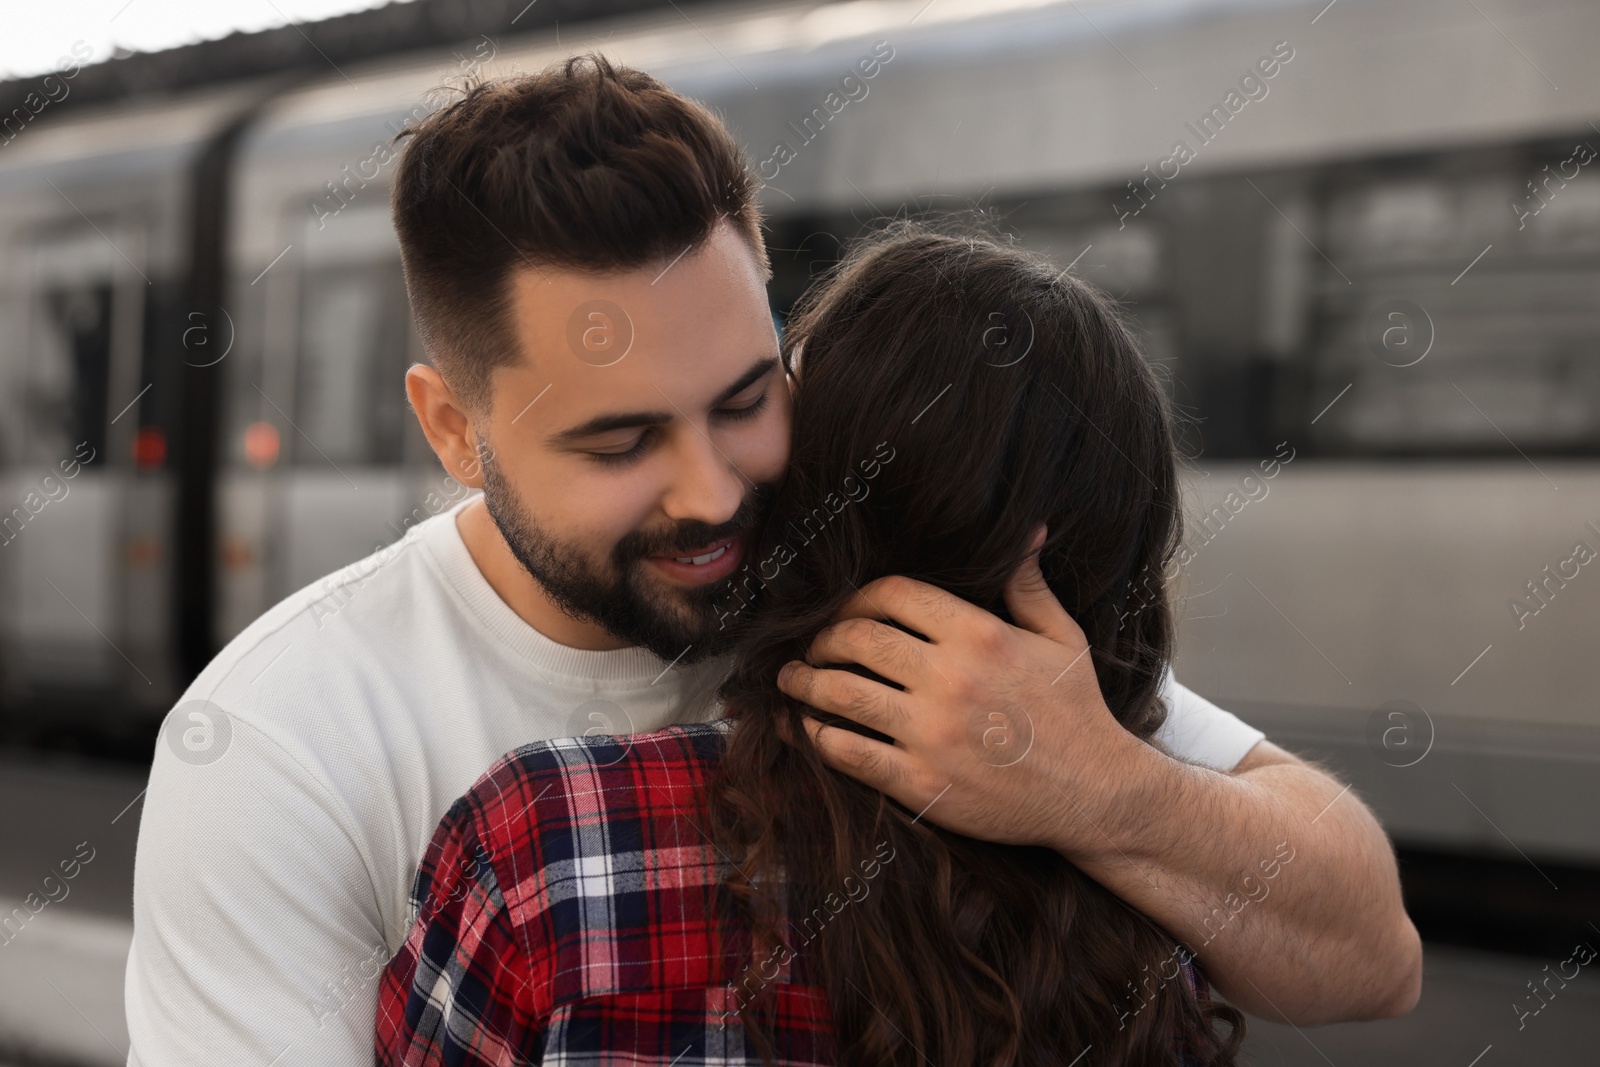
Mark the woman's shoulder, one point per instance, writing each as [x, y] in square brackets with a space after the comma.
[571, 834]
[548, 786]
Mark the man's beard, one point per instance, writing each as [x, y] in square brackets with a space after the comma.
[681, 625]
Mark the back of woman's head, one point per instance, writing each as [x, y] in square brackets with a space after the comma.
[954, 394]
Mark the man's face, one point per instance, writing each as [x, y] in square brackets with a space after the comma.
[635, 447]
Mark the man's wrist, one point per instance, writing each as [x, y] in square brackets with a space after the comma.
[1116, 811]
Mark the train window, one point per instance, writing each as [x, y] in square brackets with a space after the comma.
[1571, 218]
[1125, 262]
[354, 348]
[65, 392]
[1400, 221]
[1425, 356]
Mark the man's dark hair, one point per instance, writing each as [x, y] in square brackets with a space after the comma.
[585, 165]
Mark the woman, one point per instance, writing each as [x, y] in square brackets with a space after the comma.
[716, 892]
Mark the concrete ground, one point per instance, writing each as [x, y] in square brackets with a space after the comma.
[61, 968]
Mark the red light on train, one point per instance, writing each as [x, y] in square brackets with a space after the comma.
[236, 553]
[144, 552]
[261, 444]
[149, 448]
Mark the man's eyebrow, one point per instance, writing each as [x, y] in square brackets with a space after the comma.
[627, 420]
[760, 369]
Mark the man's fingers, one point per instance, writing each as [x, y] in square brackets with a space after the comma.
[925, 608]
[1033, 606]
[883, 767]
[848, 695]
[877, 646]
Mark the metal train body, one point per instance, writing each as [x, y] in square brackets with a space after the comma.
[1360, 275]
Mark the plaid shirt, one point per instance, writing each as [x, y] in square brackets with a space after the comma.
[568, 912]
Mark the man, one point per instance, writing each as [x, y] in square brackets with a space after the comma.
[584, 259]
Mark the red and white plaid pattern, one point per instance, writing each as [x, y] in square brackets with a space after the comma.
[567, 914]
[569, 911]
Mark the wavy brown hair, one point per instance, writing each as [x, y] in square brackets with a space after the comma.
[1010, 394]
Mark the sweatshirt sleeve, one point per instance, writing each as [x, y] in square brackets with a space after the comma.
[1197, 731]
[257, 936]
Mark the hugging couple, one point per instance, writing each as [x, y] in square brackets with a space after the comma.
[926, 797]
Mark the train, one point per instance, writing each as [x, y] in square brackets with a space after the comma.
[1359, 240]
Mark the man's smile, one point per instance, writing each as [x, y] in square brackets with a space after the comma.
[704, 564]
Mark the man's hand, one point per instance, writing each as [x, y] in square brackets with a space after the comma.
[999, 729]
[1001, 733]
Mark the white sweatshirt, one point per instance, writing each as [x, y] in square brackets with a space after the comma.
[299, 780]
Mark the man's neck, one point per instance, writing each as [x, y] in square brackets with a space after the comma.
[508, 578]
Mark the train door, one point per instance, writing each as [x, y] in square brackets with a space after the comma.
[324, 422]
[87, 618]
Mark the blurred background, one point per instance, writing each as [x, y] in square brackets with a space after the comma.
[1361, 239]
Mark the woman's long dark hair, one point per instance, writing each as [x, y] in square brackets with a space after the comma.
[1004, 393]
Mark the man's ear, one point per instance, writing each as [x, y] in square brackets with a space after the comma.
[447, 423]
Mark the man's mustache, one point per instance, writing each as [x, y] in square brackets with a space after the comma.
[687, 536]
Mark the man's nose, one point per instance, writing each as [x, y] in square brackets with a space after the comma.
[707, 486]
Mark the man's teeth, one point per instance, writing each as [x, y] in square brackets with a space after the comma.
[700, 561]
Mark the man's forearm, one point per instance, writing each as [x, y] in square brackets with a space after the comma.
[1326, 937]
[1282, 883]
